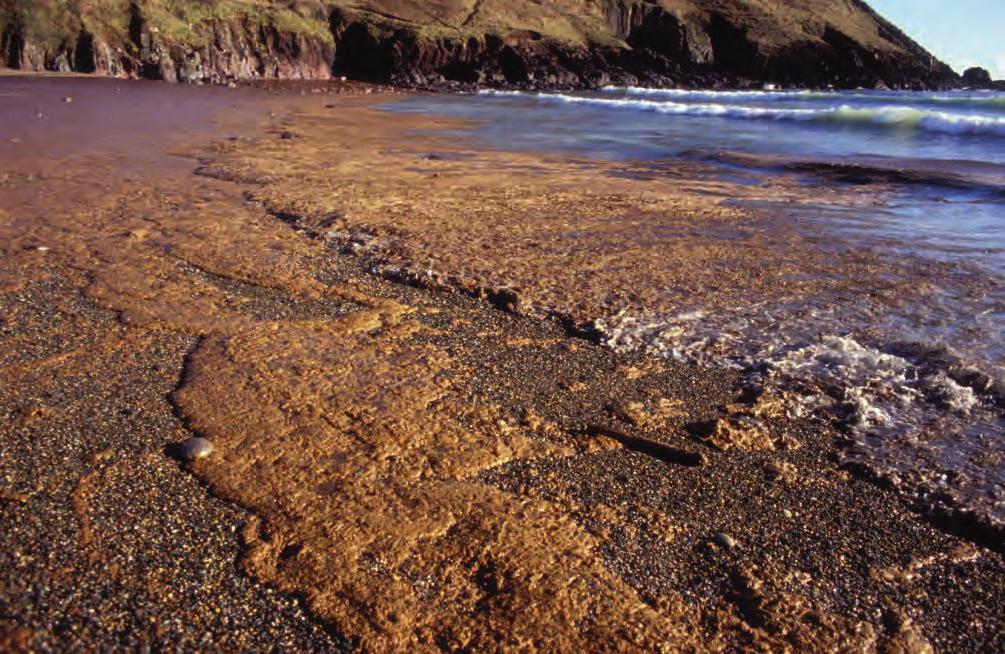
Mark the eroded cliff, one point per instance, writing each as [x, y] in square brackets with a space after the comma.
[511, 43]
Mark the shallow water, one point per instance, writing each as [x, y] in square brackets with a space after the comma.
[640, 123]
[914, 368]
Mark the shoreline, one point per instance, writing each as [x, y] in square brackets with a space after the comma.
[455, 86]
[206, 263]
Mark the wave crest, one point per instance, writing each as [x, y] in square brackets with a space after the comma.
[884, 116]
[980, 99]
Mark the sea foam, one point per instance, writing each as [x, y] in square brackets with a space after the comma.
[983, 100]
[882, 116]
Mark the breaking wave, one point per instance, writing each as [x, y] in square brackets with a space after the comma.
[979, 99]
[885, 116]
[919, 414]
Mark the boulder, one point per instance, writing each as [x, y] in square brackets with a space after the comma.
[977, 78]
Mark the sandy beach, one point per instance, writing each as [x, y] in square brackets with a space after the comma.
[419, 441]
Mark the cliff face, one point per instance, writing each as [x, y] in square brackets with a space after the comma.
[513, 43]
[192, 41]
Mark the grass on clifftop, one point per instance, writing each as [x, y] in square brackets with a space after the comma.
[179, 20]
[773, 24]
[572, 21]
[52, 23]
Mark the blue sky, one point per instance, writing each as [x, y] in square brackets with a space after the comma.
[962, 33]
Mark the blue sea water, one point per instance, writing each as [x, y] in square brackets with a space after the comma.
[931, 170]
[955, 141]
[951, 125]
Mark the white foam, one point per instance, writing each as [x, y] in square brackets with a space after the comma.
[978, 99]
[717, 95]
[869, 388]
[673, 337]
[957, 398]
[891, 116]
[872, 385]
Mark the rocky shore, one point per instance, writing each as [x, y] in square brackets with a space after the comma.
[494, 43]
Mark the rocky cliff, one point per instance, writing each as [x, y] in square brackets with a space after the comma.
[511, 43]
[189, 41]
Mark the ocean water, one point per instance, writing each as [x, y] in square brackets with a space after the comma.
[916, 377]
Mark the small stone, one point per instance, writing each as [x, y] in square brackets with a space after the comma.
[725, 540]
[782, 471]
[67, 99]
[786, 513]
[287, 135]
[196, 448]
[42, 248]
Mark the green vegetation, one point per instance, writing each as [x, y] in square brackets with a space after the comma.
[54, 25]
[772, 23]
[179, 20]
[50, 22]
[572, 21]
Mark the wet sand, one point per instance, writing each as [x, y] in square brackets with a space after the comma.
[382, 333]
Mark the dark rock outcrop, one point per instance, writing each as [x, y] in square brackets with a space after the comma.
[390, 53]
[977, 78]
[662, 48]
[238, 50]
